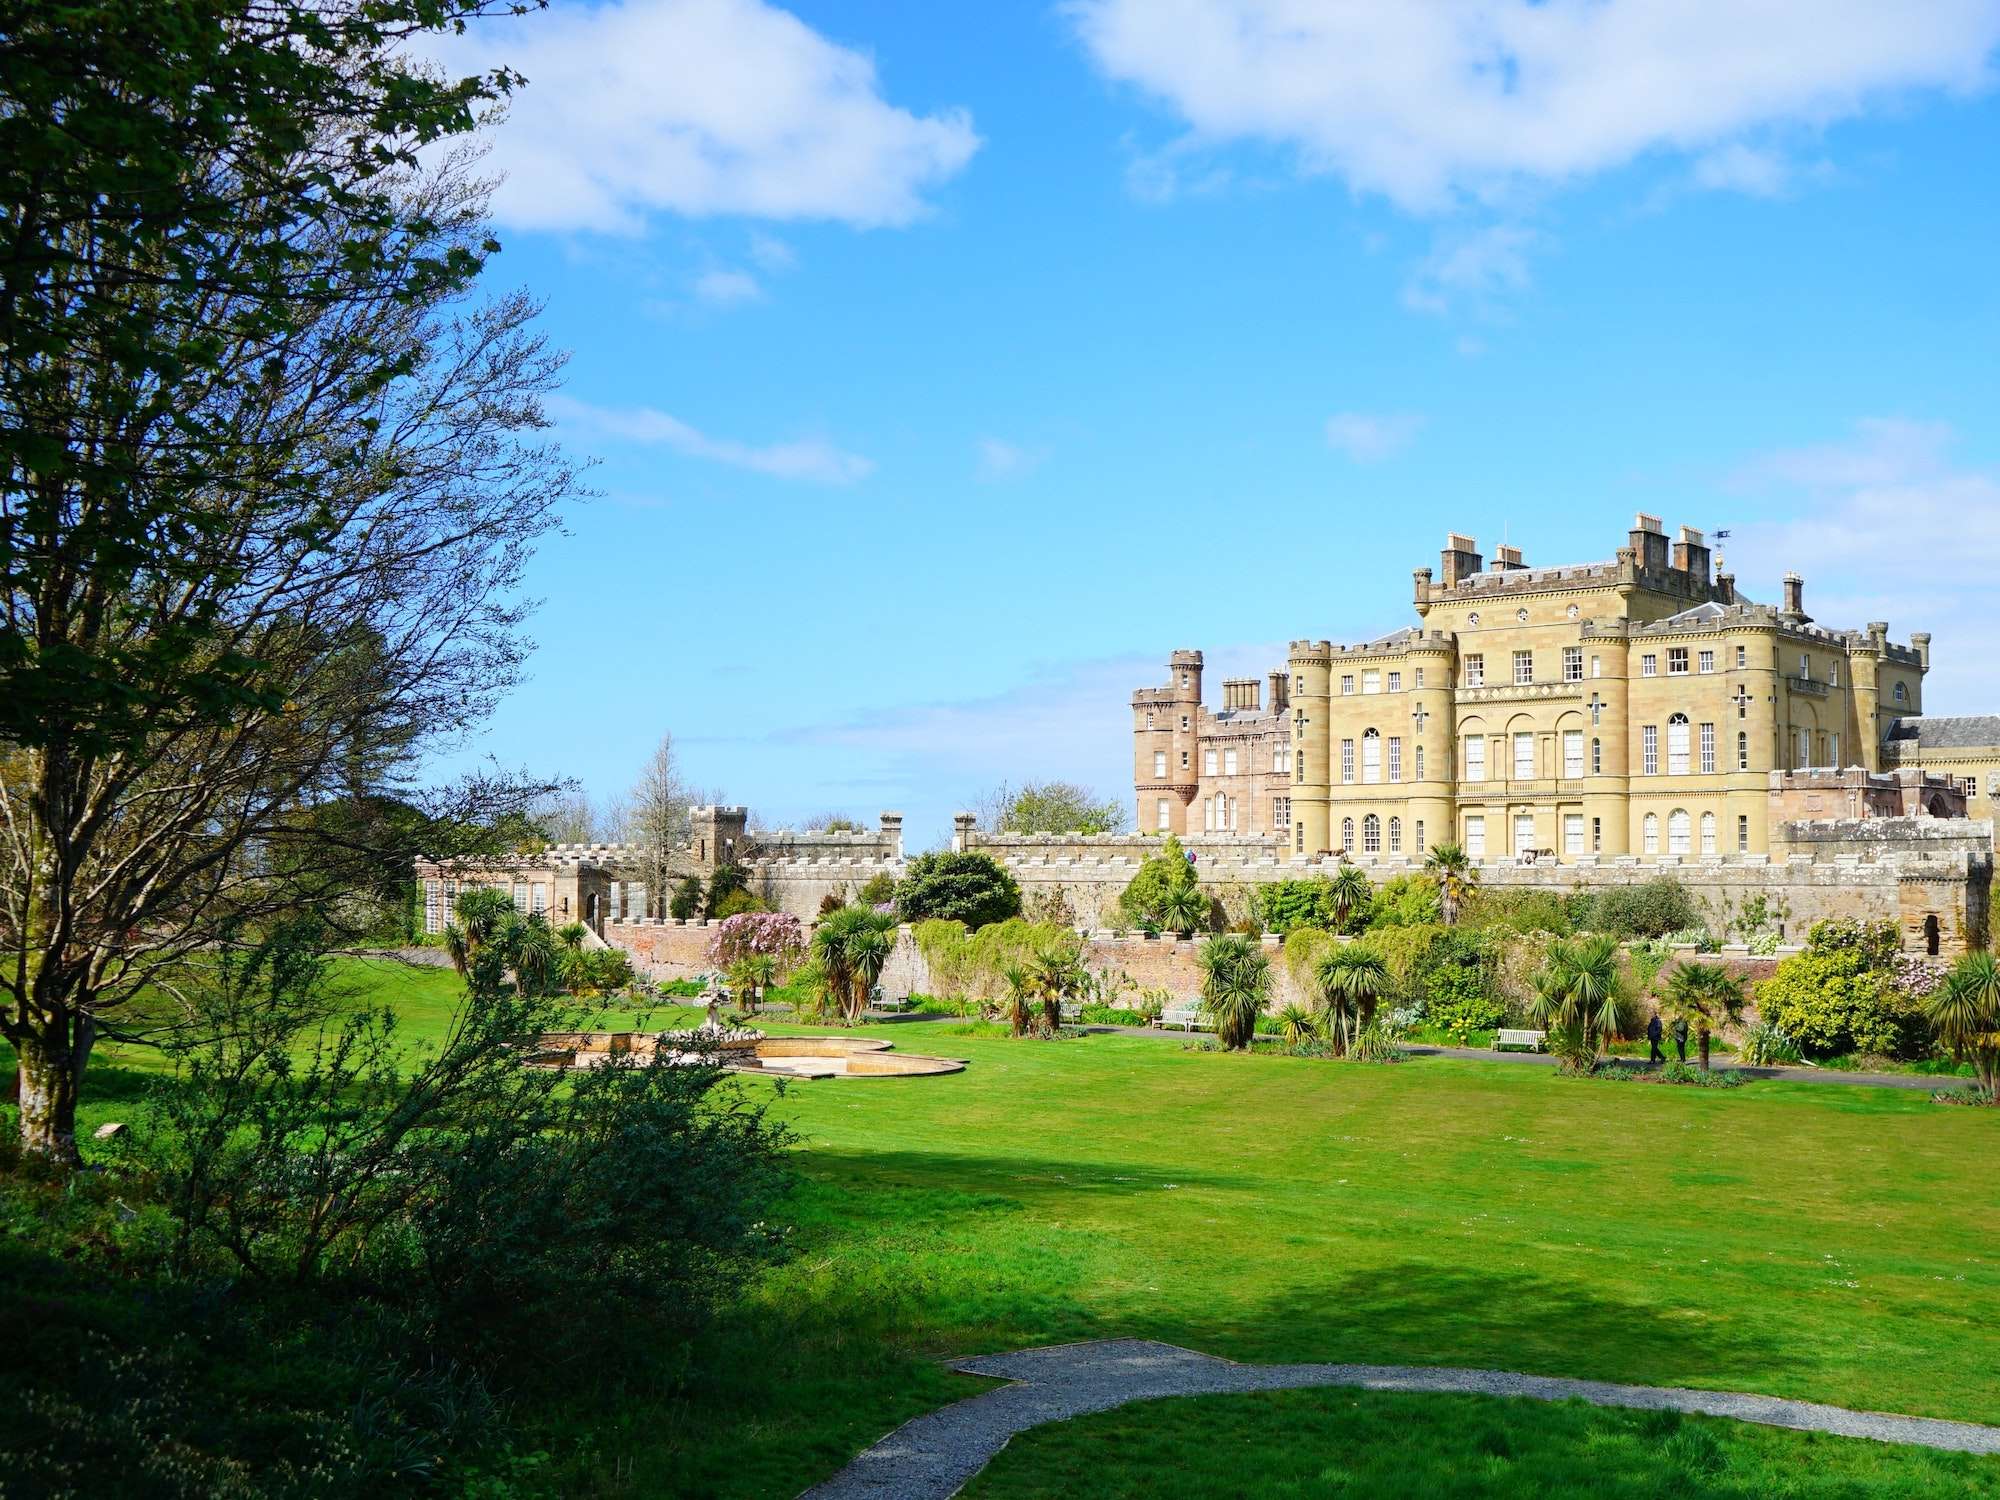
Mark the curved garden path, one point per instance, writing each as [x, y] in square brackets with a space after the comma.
[930, 1457]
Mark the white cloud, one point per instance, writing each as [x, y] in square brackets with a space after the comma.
[1480, 267]
[1000, 459]
[771, 253]
[725, 286]
[1737, 168]
[1370, 437]
[809, 459]
[1431, 104]
[1886, 526]
[701, 107]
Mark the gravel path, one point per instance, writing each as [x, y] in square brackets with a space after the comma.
[932, 1456]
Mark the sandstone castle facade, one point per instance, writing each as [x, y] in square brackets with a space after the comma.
[1634, 707]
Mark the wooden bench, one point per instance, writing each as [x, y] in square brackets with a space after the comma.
[1532, 1040]
[1186, 1017]
[1072, 1011]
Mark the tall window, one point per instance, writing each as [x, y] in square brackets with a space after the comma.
[1708, 833]
[1649, 748]
[1678, 831]
[1371, 756]
[1649, 665]
[1677, 745]
[1371, 835]
[1677, 661]
[1649, 833]
[1160, 812]
[1742, 657]
[1901, 692]
[1395, 682]
[1742, 833]
[1596, 835]
[1707, 661]
[1229, 762]
[1572, 664]
[1420, 763]
[1347, 835]
[1475, 837]
[1596, 711]
[1572, 833]
[1524, 667]
[1395, 835]
[1347, 760]
[1395, 757]
[1371, 682]
[1347, 686]
[1208, 761]
[1281, 812]
[1299, 837]
[1597, 757]
[1475, 670]
[1833, 673]
[1420, 836]
[1801, 749]
[1416, 677]
[1475, 757]
[1524, 757]
[1707, 749]
[1159, 762]
[1742, 751]
[1572, 753]
[1597, 666]
[1833, 749]
[1524, 832]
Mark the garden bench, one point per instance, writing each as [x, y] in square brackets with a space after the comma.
[1187, 1017]
[1072, 1010]
[1532, 1040]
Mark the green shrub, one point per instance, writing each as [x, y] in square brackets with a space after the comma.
[877, 890]
[1837, 996]
[686, 899]
[1654, 909]
[1518, 911]
[1406, 901]
[961, 887]
[1147, 897]
[1460, 1018]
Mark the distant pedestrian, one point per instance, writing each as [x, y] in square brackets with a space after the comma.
[1681, 1037]
[1653, 1035]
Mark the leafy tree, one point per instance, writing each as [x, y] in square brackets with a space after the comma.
[726, 881]
[1333, 904]
[1704, 996]
[1577, 997]
[1648, 910]
[687, 899]
[1455, 876]
[1235, 984]
[1837, 996]
[1352, 980]
[267, 482]
[961, 887]
[830, 823]
[1050, 807]
[1404, 901]
[1965, 1009]
[1144, 899]
[878, 889]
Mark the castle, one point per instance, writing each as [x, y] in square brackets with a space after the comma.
[1635, 707]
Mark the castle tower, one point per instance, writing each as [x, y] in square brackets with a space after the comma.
[1165, 724]
[1312, 670]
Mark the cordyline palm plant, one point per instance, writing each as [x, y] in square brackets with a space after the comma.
[537, 958]
[1057, 974]
[1576, 997]
[1704, 996]
[851, 947]
[1184, 909]
[1297, 1025]
[483, 915]
[1352, 981]
[1235, 983]
[1965, 1009]
[1348, 892]
[750, 976]
[1456, 876]
[1018, 1005]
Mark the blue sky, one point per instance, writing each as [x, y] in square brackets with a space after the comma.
[948, 366]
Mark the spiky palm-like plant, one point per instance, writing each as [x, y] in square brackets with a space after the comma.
[1965, 1009]
[1184, 909]
[750, 975]
[1456, 876]
[1236, 981]
[537, 958]
[1348, 892]
[852, 945]
[1352, 981]
[1704, 995]
[1057, 974]
[1018, 1005]
[1297, 1025]
[1576, 996]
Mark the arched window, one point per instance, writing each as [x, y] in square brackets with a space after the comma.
[1395, 835]
[1347, 835]
[1742, 751]
[1597, 757]
[1679, 830]
[1371, 835]
[1651, 829]
[1931, 935]
[1371, 755]
[1708, 833]
[1677, 745]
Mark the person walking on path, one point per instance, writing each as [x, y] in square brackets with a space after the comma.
[1681, 1037]
[1653, 1034]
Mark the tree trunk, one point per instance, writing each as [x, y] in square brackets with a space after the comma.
[1702, 1038]
[52, 1064]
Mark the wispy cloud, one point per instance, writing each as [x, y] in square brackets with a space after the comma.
[701, 107]
[999, 459]
[1479, 269]
[810, 459]
[1370, 437]
[726, 286]
[1885, 524]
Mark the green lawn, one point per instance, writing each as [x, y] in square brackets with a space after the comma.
[1348, 1443]
[1835, 1244]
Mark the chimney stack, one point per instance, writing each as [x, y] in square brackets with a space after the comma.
[1795, 598]
[1691, 555]
[1507, 557]
[1281, 692]
[1649, 543]
[1460, 558]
